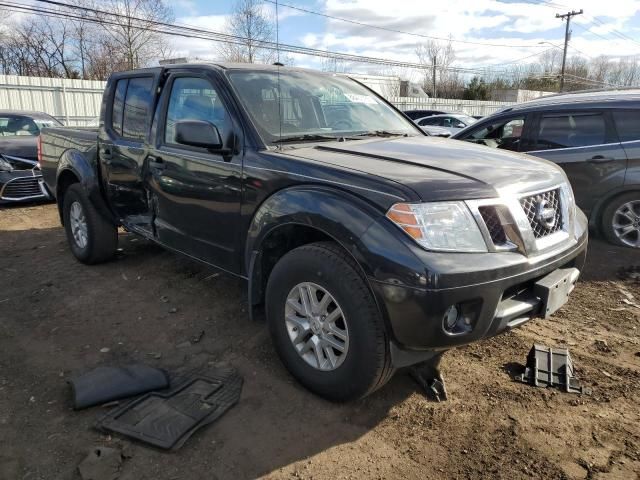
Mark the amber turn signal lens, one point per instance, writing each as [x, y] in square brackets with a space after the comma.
[402, 215]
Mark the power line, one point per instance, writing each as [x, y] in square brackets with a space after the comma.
[177, 30]
[199, 33]
[193, 32]
[616, 34]
[393, 30]
[620, 34]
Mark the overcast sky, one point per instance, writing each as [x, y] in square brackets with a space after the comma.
[518, 26]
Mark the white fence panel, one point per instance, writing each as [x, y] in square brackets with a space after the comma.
[74, 102]
[470, 107]
[77, 102]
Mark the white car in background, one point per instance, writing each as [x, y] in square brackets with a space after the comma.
[449, 122]
[436, 131]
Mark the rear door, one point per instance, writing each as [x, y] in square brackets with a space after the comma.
[584, 143]
[628, 127]
[195, 192]
[123, 146]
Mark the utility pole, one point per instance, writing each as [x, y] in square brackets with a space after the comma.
[434, 76]
[568, 16]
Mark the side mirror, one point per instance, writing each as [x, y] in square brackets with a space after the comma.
[198, 133]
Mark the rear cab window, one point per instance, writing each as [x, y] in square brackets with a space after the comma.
[132, 107]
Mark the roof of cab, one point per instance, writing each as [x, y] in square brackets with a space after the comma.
[223, 66]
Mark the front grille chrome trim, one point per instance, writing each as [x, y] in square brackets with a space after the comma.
[518, 227]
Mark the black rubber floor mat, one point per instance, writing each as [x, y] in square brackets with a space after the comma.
[167, 420]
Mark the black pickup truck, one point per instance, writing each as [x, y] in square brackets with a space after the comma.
[368, 245]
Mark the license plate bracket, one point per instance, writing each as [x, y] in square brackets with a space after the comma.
[554, 289]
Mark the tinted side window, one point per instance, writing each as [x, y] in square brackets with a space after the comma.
[195, 99]
[118, 106]
[505, 134]
[570, 130]
[627, 124]
[137, 108]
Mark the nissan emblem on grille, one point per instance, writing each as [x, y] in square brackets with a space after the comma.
[543, 212]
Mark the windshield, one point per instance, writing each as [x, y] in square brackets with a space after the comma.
[314, 106]
[20, 125]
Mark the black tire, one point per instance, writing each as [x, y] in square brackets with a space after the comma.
[367, 363]
[102, 236]
[608, 218]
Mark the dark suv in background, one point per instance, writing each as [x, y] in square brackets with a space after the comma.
[594, 137]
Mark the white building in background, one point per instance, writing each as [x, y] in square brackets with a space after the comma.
[518, 95]
[389, 86]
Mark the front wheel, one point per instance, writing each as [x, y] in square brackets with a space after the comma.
[325, 323]
[91, 237]
[621, 220]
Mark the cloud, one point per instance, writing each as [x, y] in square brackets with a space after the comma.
[197, 48]
[515, 28]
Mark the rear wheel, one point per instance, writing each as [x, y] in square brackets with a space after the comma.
[91, 237]
[325, 324]
[621, 220]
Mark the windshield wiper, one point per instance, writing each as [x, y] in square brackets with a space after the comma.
[305, 138]
[380, 133]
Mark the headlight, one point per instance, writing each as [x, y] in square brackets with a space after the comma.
[443, 226]
[568, 205]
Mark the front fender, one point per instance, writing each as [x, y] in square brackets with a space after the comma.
[382, 251]
[361, 229]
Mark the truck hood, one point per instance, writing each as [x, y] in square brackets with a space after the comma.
[440, 169]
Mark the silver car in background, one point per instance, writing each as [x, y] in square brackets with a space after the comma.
[449, 122]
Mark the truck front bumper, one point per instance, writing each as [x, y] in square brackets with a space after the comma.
[491, 293]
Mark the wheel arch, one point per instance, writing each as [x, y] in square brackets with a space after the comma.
[595, 217]
[75, 167]
[301, 215]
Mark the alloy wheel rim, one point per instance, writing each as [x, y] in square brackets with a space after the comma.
[316, 326]
[626, 223]
[78, 224]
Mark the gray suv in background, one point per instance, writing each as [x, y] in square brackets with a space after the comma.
[594, 137]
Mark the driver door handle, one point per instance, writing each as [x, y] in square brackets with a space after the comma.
[600, 159]
[157, 163]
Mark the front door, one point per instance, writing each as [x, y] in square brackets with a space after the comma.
[195, 193]
[585, 145]
[123, 147]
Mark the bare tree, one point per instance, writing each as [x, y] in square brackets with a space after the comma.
[551, 60]
[440, 79]
[252, 26]
[136, 34]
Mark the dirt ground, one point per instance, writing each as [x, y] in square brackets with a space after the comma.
[56, 315]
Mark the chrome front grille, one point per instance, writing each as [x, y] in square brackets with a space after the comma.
[544, 212]
[529, 223]
[22, 188]
[494, 224]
